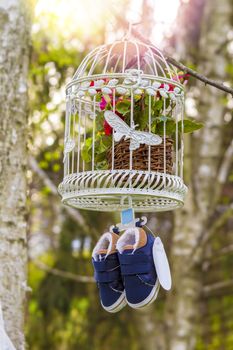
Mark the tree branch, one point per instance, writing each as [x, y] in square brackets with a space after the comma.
[193, 73]
[217, 255]
[199, 76]
[46, 180]
[217, 286]
[218, 223]
[61, 273]
[205, 236]
[226, 164]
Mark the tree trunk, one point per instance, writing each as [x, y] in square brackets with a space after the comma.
[14, 57]
[191, 223]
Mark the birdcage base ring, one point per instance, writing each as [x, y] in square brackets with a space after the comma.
[103, 190]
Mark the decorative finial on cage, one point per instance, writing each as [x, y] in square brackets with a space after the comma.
[128, 34]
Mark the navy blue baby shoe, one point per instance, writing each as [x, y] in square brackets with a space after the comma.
[108, 273]
[135, 252]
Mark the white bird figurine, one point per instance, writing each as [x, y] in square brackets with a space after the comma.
[136, 137]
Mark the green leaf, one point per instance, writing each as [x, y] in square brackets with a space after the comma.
[102, 165]
[170, 127]
[86, 156]
[100, 147]
[142, 118]
[158, 105]
[100, 157]
[88, 142]
[137, 98]
[98, 97]
[163, 118]
[123, 107]
[86, 150]
[190, 125]
[107, 141]
[100, 121]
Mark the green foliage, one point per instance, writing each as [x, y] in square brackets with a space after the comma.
[123, 107]
[190, 125]
[141, 110]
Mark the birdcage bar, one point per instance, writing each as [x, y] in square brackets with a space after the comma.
[177, 139]
[149, 127]
[66, 131]
[93, 135]
[131, 125]
[94, 61]
[81, 70]
[67, 134]
[108, 57]
[153, 61]
[79, 134]
[124, 56]
[84, 135]
[138, 56]
[113, 141]
[73, 137]
[182, 137]
[164, 62]
[164, 140]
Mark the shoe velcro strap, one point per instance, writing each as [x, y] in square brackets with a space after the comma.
[132, 264]
[107, 276]
[105, 265]
[131, 259]
[135, 269]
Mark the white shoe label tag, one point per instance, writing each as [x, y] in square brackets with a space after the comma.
[161, 264]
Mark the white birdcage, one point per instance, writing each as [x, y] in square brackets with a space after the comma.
[124, 131]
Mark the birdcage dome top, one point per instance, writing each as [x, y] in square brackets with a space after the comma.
[122, 59]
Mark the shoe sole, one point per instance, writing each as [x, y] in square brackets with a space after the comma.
[151, 297]
[117, 306]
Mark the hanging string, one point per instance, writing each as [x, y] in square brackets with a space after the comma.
[150, 231]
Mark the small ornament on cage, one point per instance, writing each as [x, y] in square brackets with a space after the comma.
[122, 130]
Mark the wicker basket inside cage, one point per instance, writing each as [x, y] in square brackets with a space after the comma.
[140, 156]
